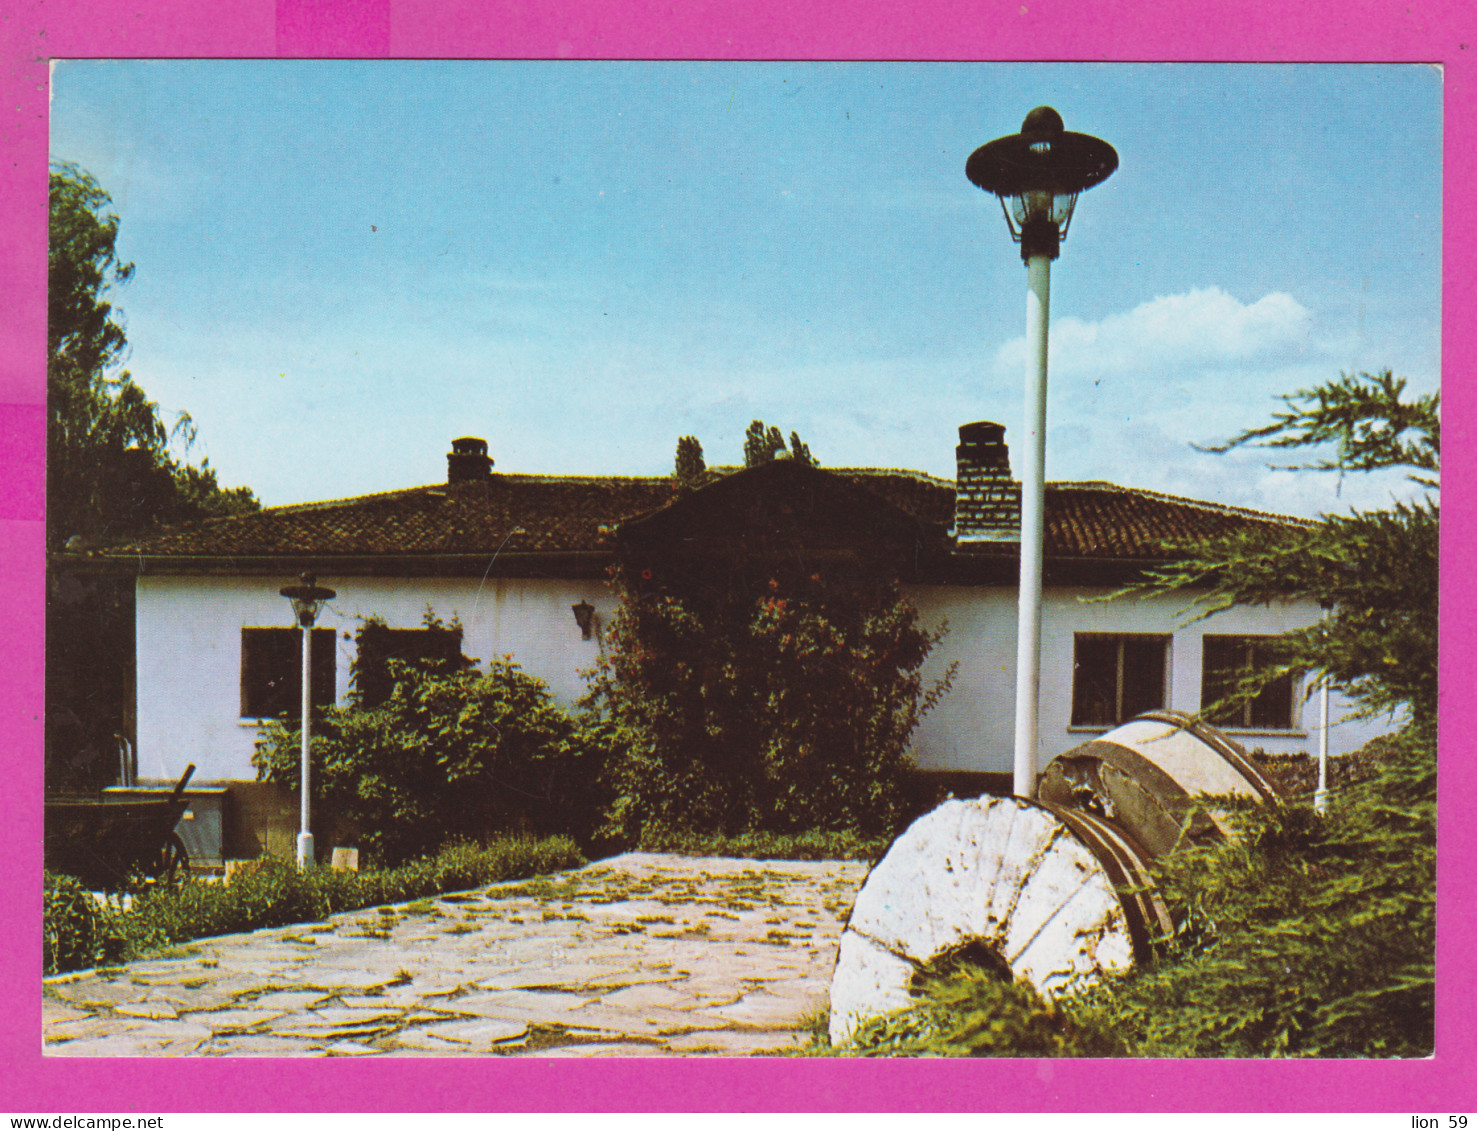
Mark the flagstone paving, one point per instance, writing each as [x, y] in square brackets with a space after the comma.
[638, 955]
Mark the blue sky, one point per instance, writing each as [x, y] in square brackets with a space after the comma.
[343, 265]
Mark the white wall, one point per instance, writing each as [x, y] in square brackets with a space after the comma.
[973, 727]
[189, 659]
[189, 649]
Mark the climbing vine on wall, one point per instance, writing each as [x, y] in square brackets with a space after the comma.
[782, 709]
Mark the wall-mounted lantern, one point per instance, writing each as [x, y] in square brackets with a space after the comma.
[584, 616]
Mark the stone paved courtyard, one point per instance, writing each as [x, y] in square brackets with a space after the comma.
[638, 955]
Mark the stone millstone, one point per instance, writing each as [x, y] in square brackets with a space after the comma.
[1050, 896]
[1145, 777]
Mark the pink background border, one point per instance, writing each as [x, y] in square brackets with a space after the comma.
[1206, 30]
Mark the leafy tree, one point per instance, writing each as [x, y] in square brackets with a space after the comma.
[763, 444]
[690, 466]
[1376, 569]
[1308, 936]
[800, 452]
[83, 338]
[1364, 418]
[110, 475]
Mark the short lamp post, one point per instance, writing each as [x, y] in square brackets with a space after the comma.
[1320, 794]
[1037, 174]
[307, 600]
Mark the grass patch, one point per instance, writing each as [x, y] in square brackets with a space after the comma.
[817, 1026]
[80, 933]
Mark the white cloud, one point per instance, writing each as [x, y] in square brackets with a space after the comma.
[1205, 328]
[1131, 394]
[1154, 454]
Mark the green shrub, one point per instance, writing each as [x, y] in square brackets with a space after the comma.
[1305, 936]
[273, 893]
[434, 646]
[780, 705]
[77, 929]
[973, 1013]
[265, 893]
[816, 844]
[450, 754]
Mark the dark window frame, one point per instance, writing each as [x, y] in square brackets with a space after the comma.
[1130, 693]
[435, 646]
[1273, 709]
[272, 671]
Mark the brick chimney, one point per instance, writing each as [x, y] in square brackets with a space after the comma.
[987, 502]
[468, 461]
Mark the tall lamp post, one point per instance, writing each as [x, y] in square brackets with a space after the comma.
[1037, 174]
[307, 599]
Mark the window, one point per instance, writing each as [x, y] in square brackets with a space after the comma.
[378, 644]
[1226, 660]
[272, 671]
[1115, 677]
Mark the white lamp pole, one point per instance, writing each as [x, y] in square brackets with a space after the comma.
[305, 855]
[307, 598]
[1033, 527]
[1040, 171]
[1320, 795]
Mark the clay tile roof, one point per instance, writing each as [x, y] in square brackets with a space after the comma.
[532, 514]
[1103, 520]
[511, 513]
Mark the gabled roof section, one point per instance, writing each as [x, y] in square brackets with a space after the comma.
[785, 508]
[928, 499]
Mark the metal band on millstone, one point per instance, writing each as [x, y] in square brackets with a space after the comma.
[1227, 748]
[1144, 777]
[1061, 903]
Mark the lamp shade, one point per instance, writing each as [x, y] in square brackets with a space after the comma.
[307, 599]
[1038, 174]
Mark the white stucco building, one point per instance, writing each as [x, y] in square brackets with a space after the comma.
[508, 556]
